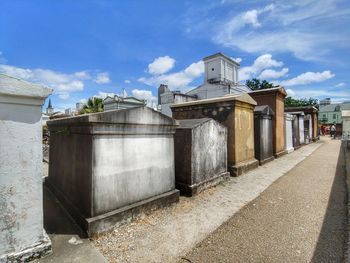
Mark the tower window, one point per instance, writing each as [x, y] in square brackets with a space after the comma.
[212, 69]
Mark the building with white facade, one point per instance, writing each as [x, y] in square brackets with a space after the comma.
[119, 102]
[220, 79]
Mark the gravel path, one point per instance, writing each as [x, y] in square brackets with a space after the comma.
[167, 234]
[300, 218]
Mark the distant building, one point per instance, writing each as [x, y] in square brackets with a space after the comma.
[168, 97]
[325, 101]
[331, 113]
[220, 78]
[49, 109]
[119, 102]
[79, 106]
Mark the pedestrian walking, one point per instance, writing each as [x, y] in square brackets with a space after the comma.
[333, 131]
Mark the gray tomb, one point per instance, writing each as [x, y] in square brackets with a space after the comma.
[288, 132]
[200, 155]
[263, 134]
[108, 167]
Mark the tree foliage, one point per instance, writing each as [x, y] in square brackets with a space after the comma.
[257, 84]
[290, 102]
[93, 105]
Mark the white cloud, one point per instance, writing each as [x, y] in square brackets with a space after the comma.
[103, 95]
[289, 27]
[63, 95]
[102, 78]
[262, 62]
[251, 17]
[82, 75]
[339, 85]
[290, 93]
[127, 81]
[273, 74]
[145, 95]
[161, 65]
[238, 60]
[177, 80]
[307, 78]
[63, 84]
[318, 93]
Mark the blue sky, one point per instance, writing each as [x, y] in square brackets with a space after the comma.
[87, 48]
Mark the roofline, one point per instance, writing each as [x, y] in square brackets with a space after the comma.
[278, 88]
[219, 54]
[240, 97]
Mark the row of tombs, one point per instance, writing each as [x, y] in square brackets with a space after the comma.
[110, 166]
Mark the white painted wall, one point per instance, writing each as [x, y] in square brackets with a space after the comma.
[21, 197]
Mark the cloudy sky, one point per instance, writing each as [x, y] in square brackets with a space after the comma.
[97, 47]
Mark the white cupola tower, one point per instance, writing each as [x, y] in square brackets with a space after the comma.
[221, 69]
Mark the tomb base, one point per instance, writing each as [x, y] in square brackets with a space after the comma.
[243, 167]
[290, 150]
[38, 250]
[190, 190]
[280, 154]
[262, 162]
[107, 221]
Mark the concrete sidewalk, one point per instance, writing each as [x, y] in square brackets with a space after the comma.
[299, 218]
[69, 243]
[167, 234]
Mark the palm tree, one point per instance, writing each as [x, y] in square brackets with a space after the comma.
[93, 105]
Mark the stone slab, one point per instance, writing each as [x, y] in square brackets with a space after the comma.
[191, 190]
[243, 167]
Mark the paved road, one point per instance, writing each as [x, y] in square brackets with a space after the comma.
[299, 218]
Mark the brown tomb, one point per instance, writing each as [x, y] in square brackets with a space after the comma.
[274, 98]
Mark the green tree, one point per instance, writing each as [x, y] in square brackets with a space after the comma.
[93, 105]
[257, 84]
[290, 102]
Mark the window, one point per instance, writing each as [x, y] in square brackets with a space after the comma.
[212, 69]
[334, 116]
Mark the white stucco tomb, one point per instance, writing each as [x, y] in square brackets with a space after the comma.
[22, 236]
[288, 132]
[345, 115]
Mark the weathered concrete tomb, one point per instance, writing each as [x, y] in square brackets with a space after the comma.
[22, 236]
[298, 128]
[263, 134]
[289, 132]
[236, 113]
[274, 98]
[200, 155]
[313, 112]
[108, 167]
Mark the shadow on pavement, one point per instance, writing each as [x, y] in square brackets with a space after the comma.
[56, 218]
[331, 242]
